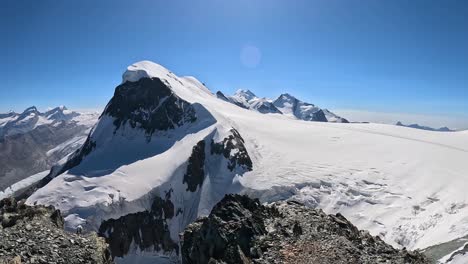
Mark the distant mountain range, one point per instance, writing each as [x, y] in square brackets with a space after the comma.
[31, 141]
[285, 104]
[416, 126]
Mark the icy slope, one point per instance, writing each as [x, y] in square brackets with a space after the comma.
[406, 185]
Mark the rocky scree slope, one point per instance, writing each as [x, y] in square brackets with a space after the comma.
[241, 230]
[34, 234]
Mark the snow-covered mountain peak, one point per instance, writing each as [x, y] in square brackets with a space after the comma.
[60, 113]
[246, 94]
[61, 108]
[31, 109]
[287, 96]
[144, 69]
[285, 101]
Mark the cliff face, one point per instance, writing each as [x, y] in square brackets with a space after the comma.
[34, 234]
[241, 230]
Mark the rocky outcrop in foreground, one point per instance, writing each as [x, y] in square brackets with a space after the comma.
[34, 234]
[241, 230]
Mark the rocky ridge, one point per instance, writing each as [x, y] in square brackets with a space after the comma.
[35, 234]
[241, 230]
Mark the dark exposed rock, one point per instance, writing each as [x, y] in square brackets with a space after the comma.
[36, 236]
[221, 96]
[149, 104]
[209, 238]
[241, 230]
[317, 116]
[233, 149]
[195, 169]
[266, 107]
[146, 229]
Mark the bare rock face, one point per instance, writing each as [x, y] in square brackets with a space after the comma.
[149, 104]
[233, 142]
[147, 230]
[34, 234]
[241, 230]
[195, 170]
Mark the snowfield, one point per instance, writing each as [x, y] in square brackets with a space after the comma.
[408, 186]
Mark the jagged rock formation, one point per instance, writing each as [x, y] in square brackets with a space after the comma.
[195, 170]
[241, 230]
[34, 234]
[233, 149]
[150, 104]
[148, 229]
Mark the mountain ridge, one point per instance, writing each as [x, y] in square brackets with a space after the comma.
[285, 104]
[417, 126]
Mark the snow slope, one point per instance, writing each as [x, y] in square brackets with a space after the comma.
[407, 186]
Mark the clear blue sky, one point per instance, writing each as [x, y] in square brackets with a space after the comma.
[393, 56]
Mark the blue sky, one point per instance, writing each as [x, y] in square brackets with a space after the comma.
[380, 56]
